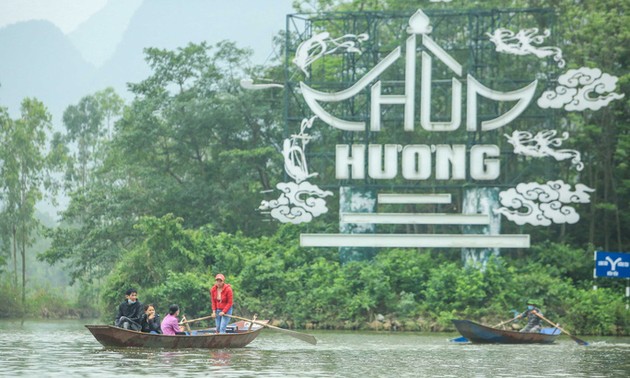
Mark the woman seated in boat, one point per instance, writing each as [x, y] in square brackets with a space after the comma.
[533, 321]
[150, 321]
[170, 324]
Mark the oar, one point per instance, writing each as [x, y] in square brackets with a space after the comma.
[194, 320]
[302, 336]
[185, 322]
[579, 341]
[507, 321]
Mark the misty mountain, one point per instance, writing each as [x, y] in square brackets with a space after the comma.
[38, 60]
[168, 24]
[98, 37]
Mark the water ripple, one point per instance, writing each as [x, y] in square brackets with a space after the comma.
[56, 349]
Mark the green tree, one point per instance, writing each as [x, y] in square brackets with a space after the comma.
[88, 126]
[23, 175]
[91, 234]
[191, 136]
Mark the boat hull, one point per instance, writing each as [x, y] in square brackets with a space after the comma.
[478, 333]
[110, 336]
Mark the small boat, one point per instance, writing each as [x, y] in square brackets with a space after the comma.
[238, 335]
[478, 333]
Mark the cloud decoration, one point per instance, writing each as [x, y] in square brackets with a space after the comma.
[543, 204]
[581, 89]
[298, 203]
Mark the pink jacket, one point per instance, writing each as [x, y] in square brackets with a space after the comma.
[170, 325]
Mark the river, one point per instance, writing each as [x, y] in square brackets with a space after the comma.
[66, 348]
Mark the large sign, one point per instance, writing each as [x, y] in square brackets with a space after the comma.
[612, 265]
[537, 204]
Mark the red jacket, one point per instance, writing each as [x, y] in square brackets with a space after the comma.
[226, 298]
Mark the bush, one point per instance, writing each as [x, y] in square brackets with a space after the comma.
[10, 297]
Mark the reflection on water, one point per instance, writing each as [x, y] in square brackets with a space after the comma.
[220, 357]
[66, 348]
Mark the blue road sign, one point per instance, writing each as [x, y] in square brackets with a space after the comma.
[612, 264]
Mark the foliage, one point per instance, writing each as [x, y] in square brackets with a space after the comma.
[10, 300]
[42, 302]
[276, 279]
[24, 179]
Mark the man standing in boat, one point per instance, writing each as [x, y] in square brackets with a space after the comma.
[532, 312]
[221, 297]
[130, 312]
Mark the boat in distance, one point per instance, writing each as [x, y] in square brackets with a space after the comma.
[478, 333]
[239, 335]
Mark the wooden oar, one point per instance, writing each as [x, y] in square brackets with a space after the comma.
[302, 336]
[194, 320]
[579, 341]
[507, 321]
[185, 322]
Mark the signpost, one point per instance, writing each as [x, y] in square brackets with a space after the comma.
[613, 265]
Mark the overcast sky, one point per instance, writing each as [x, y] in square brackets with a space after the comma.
[66, 14]
[69, 14]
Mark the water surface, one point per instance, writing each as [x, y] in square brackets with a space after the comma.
[66, 348]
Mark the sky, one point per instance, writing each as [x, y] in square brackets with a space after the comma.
[66, 14]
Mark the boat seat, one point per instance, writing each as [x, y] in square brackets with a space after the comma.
[550, 331]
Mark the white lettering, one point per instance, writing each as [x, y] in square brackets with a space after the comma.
[383, 166]
[425, 101]
[450, 156]
[417, 161]
[344, 160]
[482, 168]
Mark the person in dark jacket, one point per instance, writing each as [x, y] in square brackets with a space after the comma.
[130, 312]
[150, 321]
[533, 321]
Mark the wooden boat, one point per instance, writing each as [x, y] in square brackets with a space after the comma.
[478, 333]
[239, 335]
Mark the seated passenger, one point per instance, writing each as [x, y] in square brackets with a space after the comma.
[150, 321]
[129, 312]
[170, 324]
